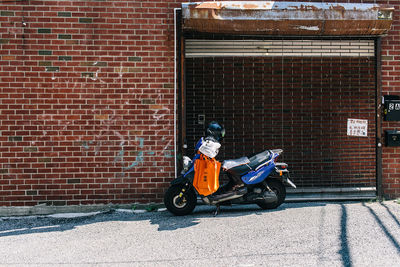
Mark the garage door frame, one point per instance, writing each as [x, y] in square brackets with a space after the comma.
[182, 144]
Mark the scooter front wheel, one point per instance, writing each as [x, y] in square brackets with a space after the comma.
[280, 191]
[180, 205]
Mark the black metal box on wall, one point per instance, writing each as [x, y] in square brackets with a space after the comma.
[391, 108]
[392, 138]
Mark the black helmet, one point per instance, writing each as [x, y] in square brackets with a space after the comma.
[215, 130]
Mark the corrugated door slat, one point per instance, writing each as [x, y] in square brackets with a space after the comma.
[316, 48]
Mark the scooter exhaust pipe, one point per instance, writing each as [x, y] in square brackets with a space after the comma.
[215, 202]
[221, 198]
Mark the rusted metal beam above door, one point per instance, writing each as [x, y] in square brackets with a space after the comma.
[287, 18]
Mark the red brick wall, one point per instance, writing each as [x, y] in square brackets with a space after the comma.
[87, 97]
[86, 113]
[298, 104]
[391, 85]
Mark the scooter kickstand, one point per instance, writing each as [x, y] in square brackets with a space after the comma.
[217, 211]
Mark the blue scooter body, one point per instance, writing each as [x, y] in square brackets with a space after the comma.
[252, 177]
[255, 177]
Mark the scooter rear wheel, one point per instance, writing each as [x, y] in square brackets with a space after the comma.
[280, 191]
[180, 205]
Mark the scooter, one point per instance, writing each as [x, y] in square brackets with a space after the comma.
[258, 179]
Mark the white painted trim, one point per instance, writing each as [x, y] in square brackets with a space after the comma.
[175, 92]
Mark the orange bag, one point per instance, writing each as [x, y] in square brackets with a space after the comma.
[206, 175]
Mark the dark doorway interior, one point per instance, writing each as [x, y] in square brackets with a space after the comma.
[298, 104]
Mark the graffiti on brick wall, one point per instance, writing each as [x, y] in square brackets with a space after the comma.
[132, 143]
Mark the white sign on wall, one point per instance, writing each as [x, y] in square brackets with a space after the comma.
[357, 127]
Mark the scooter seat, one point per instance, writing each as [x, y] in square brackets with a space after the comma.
[259, 159]
[232, 163]
[254, 162]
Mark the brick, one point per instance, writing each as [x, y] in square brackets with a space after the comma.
[30, 149]
[45, 63]
[100, 64]
[44, 30]
[32, 193]
[85, 20]
[8, 57]
[156, 106]
[87, 74]
[64, 36]
[73, 181]
[387, 57]
[52, 68]
[65, 58]
[45, 52]
[86, 64]
[15, 138]
[64, 14]
[148, 101]
[135, 59]
[7, 13]
[44, 160]
[101, 117]
[168, 85]
[57, 203]
[126, 70]
[135, 133]
[96, 64]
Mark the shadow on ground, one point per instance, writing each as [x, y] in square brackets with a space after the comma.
[165, 220]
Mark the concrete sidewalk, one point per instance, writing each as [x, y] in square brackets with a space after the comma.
[296, 234]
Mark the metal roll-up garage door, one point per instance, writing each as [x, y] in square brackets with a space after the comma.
[302, 76]
[301, 95]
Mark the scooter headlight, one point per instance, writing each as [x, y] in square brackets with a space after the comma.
[186, 163]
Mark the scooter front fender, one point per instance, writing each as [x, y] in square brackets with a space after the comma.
[179, 180]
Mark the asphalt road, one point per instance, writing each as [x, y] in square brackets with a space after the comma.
[296, 234]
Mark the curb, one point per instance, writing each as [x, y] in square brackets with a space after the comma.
[48, 210]
[43, 210]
